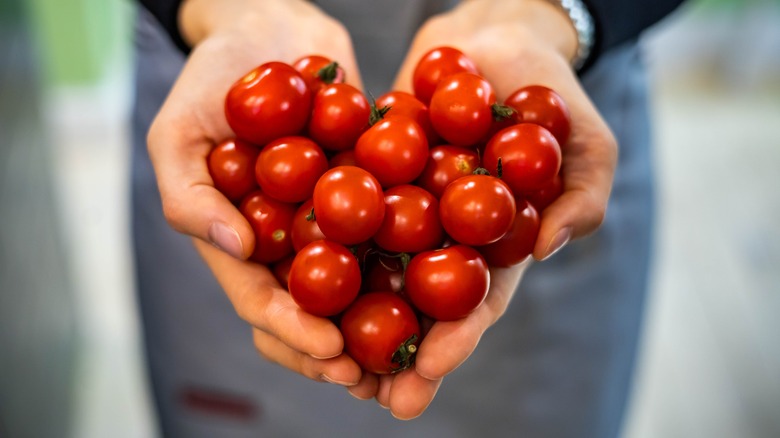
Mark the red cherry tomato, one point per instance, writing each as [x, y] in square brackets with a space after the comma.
[324, 278]
[343, 158]
[394, 150]
[271, 221]
[530, 156]
[477, 209]
[304, 227]
[461, 109]
[282, 270]
[288, 168]
[545, 196]
[319, 71]
[385, 273]
[269, 102]
[411, 222]
[449, 283]
[543, 106]
[404, 104]
[518, 243]
[381, 332]
[436, 65]
[232, 167]
[445, 165]
[349, 204]
[339, 115]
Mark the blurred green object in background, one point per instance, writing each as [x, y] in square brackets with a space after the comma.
[80, 40]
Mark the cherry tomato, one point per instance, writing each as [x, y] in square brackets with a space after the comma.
[518, 243]
[445, 165]
[304, 227]
[231, 165]
[384, 273]
[381, 332]
[411, 222]
[343, 158]
[282, 270]
[401, 103]
[530, 156]
[543, 106]
[269, 102]
[271, 221]
[324, 278]
[319, 71]
[545, 196]
[339, 115]
[449, 283]
[349, 204]
[436, 65]
[394, 151]
[288, 168]
[477, 209]
[461, 109]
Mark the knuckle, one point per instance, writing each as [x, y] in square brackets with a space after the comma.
[174, 212]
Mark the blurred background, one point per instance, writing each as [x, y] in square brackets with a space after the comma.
[69, 340]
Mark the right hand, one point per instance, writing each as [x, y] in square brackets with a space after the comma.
[229, 38]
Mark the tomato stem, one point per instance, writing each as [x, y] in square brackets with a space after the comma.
[480, 171]
[499, 168]
[405, 355]
[502, 112]
[310, 217]
[329, 73]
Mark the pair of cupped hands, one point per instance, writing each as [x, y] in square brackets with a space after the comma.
[514, 43]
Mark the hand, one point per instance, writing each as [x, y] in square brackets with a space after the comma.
[514, 43]
[229, 38]
[518, 43]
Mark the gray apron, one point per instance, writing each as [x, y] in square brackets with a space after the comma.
[558, 364]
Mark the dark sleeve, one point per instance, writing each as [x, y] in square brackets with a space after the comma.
[618, 21]
[167, 12]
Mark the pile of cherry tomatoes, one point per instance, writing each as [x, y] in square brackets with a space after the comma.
[380, 213]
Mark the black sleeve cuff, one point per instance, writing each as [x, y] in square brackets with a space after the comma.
[618, 21]
[167, 12]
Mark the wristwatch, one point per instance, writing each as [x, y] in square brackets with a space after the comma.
[583, 24]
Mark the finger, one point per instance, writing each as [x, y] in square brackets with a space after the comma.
[260, 301]
[411, 394]
[449, 343]
[366, 388]
[340, 370]
[383, 391]
[588, 169]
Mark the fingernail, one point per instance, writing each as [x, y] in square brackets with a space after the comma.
[324, 357]
[325, 378]
[558, 241]
[226, 238]
[383, 406]
[349, 390]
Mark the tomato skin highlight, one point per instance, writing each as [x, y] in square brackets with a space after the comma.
[436, 65]
[530, 156]
[447, 284]
[445, 165]
[231, 166]
[288, 168]
[477, 209]
[269, 102]
[411, 222]
[349, 204]
[271, 220]
[394, 150]
[324, 278]
[518, 243]
[339, 115]
[542, 106]
[375, 327]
